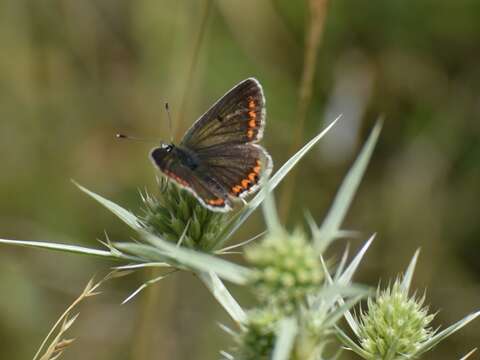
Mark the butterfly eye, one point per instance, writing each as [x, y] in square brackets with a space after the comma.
[167, 147]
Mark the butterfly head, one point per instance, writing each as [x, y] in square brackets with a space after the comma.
[166, 147]
[160, 153]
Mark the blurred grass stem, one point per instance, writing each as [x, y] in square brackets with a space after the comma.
[318, 11]
[146, 327]
[148, 322]
[194, 61]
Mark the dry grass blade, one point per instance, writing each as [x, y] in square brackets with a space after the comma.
[470, 353]
[56, 335]
[59, 344]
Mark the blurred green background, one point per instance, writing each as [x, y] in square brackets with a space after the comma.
[73, 73]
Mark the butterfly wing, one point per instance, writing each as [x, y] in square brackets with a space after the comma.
[224, 139]
[237, 168]
[218, 158]
[195, 180]
[237, 118]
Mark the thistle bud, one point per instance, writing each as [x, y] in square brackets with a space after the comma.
[178, 213]
[287, 269]
[394, 324]
[257, 337]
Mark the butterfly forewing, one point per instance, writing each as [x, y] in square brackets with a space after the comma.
[237, 118]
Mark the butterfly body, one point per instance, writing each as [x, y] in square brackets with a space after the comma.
[170, 152]
[218, 159]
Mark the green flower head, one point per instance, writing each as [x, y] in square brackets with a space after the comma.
[257, 337]
[287, 270]
[179, 216]
[394, 324]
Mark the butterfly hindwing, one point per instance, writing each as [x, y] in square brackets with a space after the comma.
[237, 118]
[237, 168]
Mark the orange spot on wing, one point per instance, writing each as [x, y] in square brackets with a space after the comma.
[251, 103]
[216, 202]
[252, 123]
[257, 168]
[176, 178]
[250, 180]
[236, 189]
[250, 133]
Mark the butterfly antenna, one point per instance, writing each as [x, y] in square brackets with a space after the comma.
[128, 137]
[167, 109]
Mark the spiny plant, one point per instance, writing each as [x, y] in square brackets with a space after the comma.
[178, 217]
[396, 325]
[302, 294]
[161, 240]
[300, 303]
[287, 269]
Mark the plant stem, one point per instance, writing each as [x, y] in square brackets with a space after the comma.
[147, 318]
[193, 64]
[318, 11]
[150, 303]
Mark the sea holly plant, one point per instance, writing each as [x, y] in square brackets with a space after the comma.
[177, 232]
[298, 307]
[178, 217]
[299, 302]
[302, 293]
[396, 325]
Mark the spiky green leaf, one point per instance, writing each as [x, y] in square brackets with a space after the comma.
[223, 296]
[286, 333]
[126, 216]
[199, 261]
[331, 225]
[238, 219]
[408, 275]
[350, 344]
[427, 345]
[67, 248]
